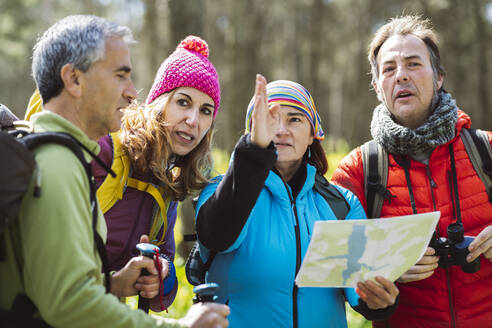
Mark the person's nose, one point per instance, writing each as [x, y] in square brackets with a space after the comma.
[282, 128]
[401, 74]
[193, 116]
[130, 93]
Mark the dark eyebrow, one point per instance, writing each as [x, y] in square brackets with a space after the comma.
[296, 113]
[413, 57]
[184, 94]
[126, 69]
[410, 57]
[189, 98]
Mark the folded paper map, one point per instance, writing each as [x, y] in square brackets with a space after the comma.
[344, 252]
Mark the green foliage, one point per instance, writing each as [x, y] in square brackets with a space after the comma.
[221, 161]
[355, 320]
[183, 300]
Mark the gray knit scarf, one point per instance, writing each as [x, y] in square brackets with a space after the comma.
[437, 130]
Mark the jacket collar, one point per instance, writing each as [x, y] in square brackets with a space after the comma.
[277, 187]
[47, 121]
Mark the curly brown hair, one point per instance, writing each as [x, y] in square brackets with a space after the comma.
[146, 141]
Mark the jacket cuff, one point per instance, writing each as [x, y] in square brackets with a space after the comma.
[256, 154]
[379, 314]
[170, 279]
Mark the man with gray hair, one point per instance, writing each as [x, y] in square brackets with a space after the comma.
[421, 133]
[55, 250]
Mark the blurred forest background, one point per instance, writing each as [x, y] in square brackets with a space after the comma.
[320, 43]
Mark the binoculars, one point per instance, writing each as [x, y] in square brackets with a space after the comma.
[205, 292]
[454, 249]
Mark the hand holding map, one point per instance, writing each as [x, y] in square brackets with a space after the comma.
[342, 253]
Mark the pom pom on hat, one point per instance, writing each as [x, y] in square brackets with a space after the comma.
[188, 66]
[193, 43]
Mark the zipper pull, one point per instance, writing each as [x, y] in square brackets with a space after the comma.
[293, 208]
[432, 182]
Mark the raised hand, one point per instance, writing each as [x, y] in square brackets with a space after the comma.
[265, 119]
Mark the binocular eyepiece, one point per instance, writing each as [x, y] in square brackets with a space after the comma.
[454, 249]
[205, 292]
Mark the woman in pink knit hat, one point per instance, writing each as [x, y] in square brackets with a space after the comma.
[160, 156]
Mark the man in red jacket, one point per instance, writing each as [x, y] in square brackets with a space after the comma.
[419, 125]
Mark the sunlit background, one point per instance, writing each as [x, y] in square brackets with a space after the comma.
[320, 43]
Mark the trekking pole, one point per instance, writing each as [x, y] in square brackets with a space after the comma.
[148, 250]
[205, 292]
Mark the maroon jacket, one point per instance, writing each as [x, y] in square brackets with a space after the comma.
[131, 217]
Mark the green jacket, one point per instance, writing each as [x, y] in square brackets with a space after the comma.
[56, 263]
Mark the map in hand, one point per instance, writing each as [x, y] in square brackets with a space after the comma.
[344, 252]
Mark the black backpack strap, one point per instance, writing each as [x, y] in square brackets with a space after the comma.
[479, 151]
[36, 139]
[190, 237]
[332, 195]
[195, 269]
[375, 164]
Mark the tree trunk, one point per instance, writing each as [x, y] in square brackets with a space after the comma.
[186, 18]
[482, 42]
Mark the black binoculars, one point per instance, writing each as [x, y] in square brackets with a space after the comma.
[454, 249]
[205, 292]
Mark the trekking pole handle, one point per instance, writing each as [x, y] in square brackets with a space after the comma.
[147, 250]
[205, 292]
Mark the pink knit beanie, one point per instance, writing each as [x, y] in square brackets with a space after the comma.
[187, 66]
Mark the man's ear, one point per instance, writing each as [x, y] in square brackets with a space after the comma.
[378, 91]
[440, 81]
[71, 80]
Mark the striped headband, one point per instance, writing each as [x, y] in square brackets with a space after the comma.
[288, 93]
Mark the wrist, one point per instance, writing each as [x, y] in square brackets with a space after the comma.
[115, 285]
[250, 141]
[254, 140]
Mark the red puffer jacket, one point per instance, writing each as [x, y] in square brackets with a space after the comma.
[450, 297]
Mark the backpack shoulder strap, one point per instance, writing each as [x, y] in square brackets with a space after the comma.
[112, 188]
[479, 151]
[375, 164]
[332, 195]
[36, 139]
[160, 219]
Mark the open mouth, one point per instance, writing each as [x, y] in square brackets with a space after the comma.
[403, 94]
[281, 144]
[185, 136]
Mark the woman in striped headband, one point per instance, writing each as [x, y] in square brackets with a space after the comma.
[256, 221]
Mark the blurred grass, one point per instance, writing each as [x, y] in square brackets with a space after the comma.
[184, 297]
